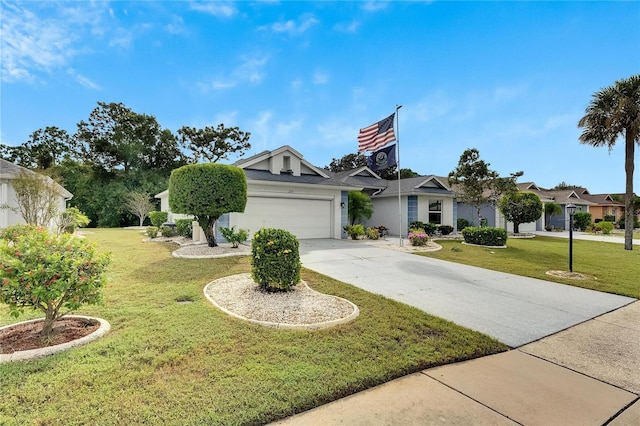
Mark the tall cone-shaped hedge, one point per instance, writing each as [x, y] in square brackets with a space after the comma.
[207, 191]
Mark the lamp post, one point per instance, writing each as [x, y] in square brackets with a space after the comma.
[571, 209]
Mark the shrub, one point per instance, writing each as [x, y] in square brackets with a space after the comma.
[355, 231]
[372, 233]
[184, 227]
[158, 218]
[275, 259]
[416, 224]
[548, 228]
[168, 231]
[485, 236]
[636, 223]
[581, 220]
[418, 237]
[49, 273]
[233, 237]
[70, 219]
[382, 230]
[604, 227]
[152, 231]
[462, 223]
[430, 229]
[427, 228]
[445, 229]
[13, 232]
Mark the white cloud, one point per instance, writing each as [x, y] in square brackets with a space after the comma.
[215, 8]
[320, 77]
[335, 133]
[506, 93]
[375, 5]
[431, 107]
[176, 26]
[266, 133]
[31, 44]
[350, 27]
[250, 70]
[84, 81]
[291, 27]
[297, 84]
[42, 37]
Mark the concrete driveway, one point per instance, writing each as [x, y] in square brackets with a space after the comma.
[515, 310]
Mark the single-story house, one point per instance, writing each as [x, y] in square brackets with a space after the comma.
[286, 191]
[603, 205]
[8, 204]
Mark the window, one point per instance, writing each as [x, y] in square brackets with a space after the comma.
[435, 212]
[286, 163]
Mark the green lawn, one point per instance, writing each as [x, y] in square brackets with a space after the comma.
[613, 269]
[184, 364]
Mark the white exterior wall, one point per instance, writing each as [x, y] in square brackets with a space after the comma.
[276, 191]
[8, 197]
[293, 192]
[447, 209]
[385, 213]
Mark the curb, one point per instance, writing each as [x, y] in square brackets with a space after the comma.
[50, 350]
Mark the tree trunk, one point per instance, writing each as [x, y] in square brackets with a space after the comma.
[206, 223]
[47, 327]
[628, 203]
[516, 228]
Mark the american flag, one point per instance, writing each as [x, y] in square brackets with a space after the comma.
[377, 135]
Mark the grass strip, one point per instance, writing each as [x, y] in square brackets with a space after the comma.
[611, 268]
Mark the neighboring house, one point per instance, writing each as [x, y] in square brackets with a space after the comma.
[285, 191]
[494, 218]
[604, 205]
[8, 172]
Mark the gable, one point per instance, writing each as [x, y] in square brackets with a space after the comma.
[430, 182]
[282, 161]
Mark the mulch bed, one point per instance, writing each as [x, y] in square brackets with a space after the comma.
[24, 337]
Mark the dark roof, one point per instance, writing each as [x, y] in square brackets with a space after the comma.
[265, 175]
[408, 187]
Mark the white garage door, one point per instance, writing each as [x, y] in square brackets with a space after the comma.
[303, 218]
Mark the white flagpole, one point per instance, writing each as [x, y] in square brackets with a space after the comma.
[398, 169]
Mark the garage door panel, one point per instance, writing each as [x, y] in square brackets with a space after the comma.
[305, 218]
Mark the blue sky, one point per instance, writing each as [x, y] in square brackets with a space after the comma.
[511, 79]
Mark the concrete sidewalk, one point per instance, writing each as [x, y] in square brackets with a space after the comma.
[611, 238]
[515, 310]
[559, 380]
[577, 362]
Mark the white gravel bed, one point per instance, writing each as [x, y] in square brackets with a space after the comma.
[240, 296]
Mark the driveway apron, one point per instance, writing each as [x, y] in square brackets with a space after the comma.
[515, 310]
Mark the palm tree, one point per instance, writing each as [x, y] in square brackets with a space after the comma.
[551, 209]
[614, 111]
[360, 207]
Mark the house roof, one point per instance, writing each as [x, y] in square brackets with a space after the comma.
[602, 199]
[9, 170]
[265, 175]
[419, 185]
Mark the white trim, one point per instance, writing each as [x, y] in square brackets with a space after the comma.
[267, 194]
[304, 185]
